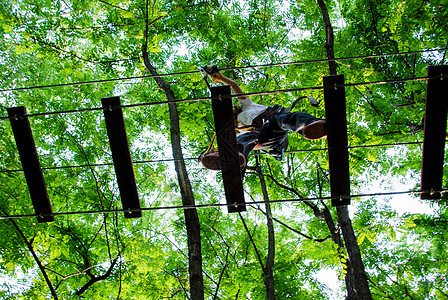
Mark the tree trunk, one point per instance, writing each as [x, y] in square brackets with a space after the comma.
[269, 268]
[191, 214]
[357, 285]
[329, 37]
[337, 239]
[358, 277]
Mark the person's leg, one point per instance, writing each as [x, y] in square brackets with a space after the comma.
[246, 143]
[307, 125]
[294, 121]
[316, 130]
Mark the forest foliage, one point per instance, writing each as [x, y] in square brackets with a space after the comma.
[46, 45]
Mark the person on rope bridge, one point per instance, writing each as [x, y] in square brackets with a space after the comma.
[269, 126]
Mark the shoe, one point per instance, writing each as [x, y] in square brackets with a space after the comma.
[315, 131]
[213, 72]
[211, 161]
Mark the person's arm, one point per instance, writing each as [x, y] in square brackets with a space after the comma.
[233, 85]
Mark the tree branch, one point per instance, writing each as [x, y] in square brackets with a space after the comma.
[34, 254]
[118, 240]
[295, 230]
[379, 288]
[314, 207]
[114, 6]
[252, 241]
[95, 279]
[180, 282]
[269, 270]
[215, 296]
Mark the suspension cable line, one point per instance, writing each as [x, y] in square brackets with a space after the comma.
[293, 200]
[233, 96]
[227, 68]
[101, 108]
[336, 59]
[349, 147]
[195, 158]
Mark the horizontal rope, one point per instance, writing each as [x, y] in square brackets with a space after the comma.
[195, 158]
[6, 217]
[233, 96]
[101, 108]
[228, 68]
[337, 59]
[350, 147]
[102, 164]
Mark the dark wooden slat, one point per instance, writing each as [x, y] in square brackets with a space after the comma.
[434, 131]
[121, 156]
[227, 146]
[30, 163]
[337, 139]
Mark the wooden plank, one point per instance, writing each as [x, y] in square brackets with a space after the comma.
[228, 149]
[434, 131]
[121, 156]
[30, 164]
[337, 139]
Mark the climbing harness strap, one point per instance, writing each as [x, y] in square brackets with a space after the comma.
[210, 148]
[245, 128]
[313, 101]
